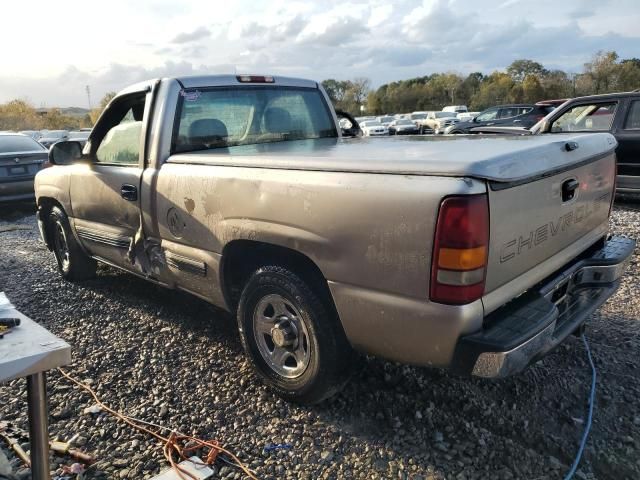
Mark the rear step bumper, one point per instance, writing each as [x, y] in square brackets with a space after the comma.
[529, 327]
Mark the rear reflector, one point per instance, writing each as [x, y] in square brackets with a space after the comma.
[255, 79]
[460, 250]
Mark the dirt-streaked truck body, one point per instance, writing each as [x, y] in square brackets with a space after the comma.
[477, 254]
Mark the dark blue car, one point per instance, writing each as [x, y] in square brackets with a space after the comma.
[517, 115]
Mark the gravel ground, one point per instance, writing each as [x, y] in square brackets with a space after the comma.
[170, 358]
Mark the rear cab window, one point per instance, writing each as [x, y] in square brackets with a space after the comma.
[221, 117]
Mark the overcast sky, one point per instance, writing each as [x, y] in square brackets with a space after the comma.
[52, 49]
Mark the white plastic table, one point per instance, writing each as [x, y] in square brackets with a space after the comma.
[29, 350]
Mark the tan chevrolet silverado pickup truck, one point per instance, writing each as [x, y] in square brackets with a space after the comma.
[476, 254]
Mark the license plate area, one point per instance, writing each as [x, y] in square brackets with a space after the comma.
[18, 170]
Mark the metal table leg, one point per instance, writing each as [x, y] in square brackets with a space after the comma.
[38, 426]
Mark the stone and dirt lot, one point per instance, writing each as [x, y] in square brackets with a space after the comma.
[169, 358]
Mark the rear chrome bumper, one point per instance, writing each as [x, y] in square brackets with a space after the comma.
[524, 330]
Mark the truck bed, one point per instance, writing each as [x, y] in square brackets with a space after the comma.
[499, 159]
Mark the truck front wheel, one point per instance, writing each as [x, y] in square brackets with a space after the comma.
[296, 344]
[73, 263]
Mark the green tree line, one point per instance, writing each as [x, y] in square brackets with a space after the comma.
[524, 81]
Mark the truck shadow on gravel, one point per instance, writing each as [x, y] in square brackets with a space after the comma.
[172, 306]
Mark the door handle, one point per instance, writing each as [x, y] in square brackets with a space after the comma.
[129, 192]
[569, 188]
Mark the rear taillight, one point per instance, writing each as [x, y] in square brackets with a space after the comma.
[459, 265]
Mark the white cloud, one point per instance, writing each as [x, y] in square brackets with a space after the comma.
[187, 37]
[379, 14]
[332, 30]
[67, 48]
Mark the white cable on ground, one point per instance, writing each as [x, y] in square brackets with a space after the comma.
[587, 427]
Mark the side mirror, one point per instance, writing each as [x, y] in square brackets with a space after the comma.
[348, 125]
[65, 152]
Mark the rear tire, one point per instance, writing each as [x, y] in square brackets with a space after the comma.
[293, 336]
[73, 263]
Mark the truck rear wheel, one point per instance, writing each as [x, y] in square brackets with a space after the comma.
[73, 263]
[293, 339]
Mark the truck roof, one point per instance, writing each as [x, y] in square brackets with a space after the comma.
[501, 159]
[202, 81]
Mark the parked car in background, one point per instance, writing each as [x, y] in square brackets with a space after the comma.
[35, 134]
[372, 128]
[53, 136]
[21, 157]
[79, 136]
[517, 115]
[455, 108]
[364, 119]
[403, 127]
[385, 120]
[617, 113]
[555, 103]
[467, 116]
[439, 121]
[415, 116]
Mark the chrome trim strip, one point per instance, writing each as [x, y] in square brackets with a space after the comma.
[109, 239]
[185, 264]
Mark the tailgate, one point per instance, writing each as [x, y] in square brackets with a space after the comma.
[534, 221]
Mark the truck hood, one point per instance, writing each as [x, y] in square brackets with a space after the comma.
[500, 159]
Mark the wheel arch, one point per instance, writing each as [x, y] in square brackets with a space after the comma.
[240, 258]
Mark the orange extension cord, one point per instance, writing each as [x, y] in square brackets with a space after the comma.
[172, 443]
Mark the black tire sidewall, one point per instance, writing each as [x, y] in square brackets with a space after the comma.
[80, 266]
[57, 217]
[322, 376]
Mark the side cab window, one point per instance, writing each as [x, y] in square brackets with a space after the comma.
[118, 137]
[589, 117]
